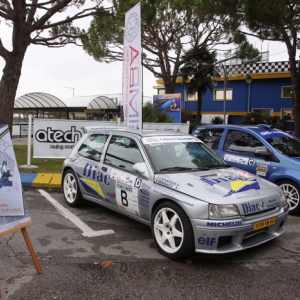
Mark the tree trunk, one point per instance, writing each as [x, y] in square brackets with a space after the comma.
[8, 87]
[295, 75]
[169, 85]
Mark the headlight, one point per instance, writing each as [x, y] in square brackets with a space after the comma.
[283, 199]
[223, 211]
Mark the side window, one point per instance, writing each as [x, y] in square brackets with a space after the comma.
[211, 137]
[123, 153]
[92, 147]
[241, 142]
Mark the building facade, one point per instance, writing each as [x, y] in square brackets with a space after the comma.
[269, 92]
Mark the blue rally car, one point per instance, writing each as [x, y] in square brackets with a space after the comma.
[260, 149]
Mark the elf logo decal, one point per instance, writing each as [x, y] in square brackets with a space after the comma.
[207, 241]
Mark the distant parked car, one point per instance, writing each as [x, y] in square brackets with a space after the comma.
[261, 150]
[192, 200]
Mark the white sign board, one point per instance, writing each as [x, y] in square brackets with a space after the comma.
[56, 138]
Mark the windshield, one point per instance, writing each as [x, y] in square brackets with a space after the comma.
[285, 144]
[181, 153]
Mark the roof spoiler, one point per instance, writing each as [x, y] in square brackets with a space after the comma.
[86, 129]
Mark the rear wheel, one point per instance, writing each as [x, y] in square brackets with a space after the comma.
[172, 231]
[292, 192]
[71, 189]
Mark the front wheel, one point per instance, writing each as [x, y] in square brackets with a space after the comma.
[71, 189]
[292, 192]
[172, 231]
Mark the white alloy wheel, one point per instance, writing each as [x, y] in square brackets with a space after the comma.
[71, 189]
[172, 231]
[292, 193]
[168, 230]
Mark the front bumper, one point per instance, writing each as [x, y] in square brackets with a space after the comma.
[225, 236]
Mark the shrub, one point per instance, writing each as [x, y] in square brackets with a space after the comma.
[217, 120]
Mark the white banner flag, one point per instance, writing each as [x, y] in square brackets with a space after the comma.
[11, 200]
[132, 69]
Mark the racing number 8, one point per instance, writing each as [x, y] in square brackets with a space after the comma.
[124, 198]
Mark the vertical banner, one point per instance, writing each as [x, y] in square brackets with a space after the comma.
[169, 103]
[132, 69]
[14, 212]
[11, 200]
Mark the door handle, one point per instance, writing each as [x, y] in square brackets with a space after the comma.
[104, 169]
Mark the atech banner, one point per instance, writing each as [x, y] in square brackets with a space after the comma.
[56, 138]
[132, 69]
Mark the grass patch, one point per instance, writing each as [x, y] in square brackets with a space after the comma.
[45, 165]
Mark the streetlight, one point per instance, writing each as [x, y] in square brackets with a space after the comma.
[215, 82]
[71, 88]
[249, 80]
[216, 78]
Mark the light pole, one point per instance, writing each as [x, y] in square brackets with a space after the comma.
[216, 78]
[248, 80]
[72, 89]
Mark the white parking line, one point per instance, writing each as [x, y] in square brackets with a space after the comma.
[86, 230]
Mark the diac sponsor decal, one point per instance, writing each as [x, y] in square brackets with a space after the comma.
[238, 184]
[91, 178]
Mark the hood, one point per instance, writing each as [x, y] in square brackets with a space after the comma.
[223, 186]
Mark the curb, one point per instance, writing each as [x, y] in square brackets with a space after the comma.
[42, 180]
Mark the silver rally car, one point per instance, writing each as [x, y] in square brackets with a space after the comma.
[192, 199]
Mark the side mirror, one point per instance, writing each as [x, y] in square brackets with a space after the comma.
[262, 152]
[141, 170]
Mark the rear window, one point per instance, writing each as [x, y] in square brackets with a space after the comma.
[211, 137]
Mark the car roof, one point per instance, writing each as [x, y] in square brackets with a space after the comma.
[255, 128]
[125, 129]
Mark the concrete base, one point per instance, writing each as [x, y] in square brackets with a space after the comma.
[28, 166]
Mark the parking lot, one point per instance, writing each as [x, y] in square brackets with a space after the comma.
[72, 244]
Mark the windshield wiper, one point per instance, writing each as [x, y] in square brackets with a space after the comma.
[217, 166]
[178, 169]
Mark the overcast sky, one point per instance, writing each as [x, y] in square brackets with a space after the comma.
[59, 71]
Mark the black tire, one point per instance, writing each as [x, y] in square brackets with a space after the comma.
[172, 244]
[71, 190]
[292, 192]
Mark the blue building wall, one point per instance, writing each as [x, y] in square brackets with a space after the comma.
[265, 93]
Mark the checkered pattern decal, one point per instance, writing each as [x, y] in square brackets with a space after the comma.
[259, 68]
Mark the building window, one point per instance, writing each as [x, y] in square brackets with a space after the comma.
[287, 92]
[189, 97]
[267, 112]
[219, 95]
[287, 114]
